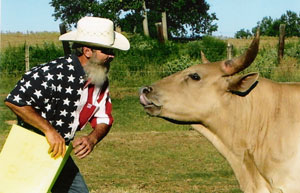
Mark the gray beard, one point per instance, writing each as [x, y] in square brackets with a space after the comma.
[96, 72]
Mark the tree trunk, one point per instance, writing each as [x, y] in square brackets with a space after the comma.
[164, 25]
[145, 21]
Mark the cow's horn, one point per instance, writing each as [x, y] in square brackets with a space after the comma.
[238, 64]
[204, 59]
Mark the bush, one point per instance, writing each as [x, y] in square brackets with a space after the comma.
[213, 48]
[13, 58]
[178, 64]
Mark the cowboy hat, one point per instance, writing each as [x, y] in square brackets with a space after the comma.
[96, 32]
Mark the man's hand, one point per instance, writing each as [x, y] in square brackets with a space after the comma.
[83, 146]
[30, 116]
[56, 142]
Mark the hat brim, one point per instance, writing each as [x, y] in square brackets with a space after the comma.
[120, 42]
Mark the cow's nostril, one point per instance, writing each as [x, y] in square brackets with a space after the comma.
[146, 90]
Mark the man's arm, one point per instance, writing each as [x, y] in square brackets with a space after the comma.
[83, 146]
[30, 116]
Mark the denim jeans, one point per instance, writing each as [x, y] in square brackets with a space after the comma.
[70, 180]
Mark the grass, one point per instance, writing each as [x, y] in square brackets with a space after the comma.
[143, 154]
[16, 39]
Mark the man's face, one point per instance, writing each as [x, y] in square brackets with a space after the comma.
[98, 65]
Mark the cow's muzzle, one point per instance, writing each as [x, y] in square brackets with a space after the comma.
[151, 107]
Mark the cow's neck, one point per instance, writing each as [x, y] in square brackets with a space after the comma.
[234, 139]
[249, 179]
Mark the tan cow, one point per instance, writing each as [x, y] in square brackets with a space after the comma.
[253, 122]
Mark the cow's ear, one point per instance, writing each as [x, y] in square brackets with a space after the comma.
[242, 85]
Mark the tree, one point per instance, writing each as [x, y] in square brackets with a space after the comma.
[243, 34]
[292, 21]
[185, 16]
[182, 15]
[270, 27]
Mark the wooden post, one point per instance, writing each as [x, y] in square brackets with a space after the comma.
[159, 32]
[164, 25]
[229, 51]
[281, 42]
[66, 45]
[145, 20]
[27, 65]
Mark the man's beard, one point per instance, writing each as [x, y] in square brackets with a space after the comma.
[96, 72]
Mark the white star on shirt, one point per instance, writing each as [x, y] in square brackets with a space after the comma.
[73, 114]
[45, 68]
[44, 84]
[66, 102]
[59, 122]
[17, 98]
[68, 135]
[46, 100]
[49, 76]
[53, 87]
[53, 62]
[27, 84]
[48, 107]
[22, 89]
[69, 90]
[59, 88]
[79, 91]
[60, 66]
[60, 76]
[71, 67]
[76, 103]
[69, 60]
[35, 75]
[81, 80]
[37, 93]
[43, 115]
[71, 78]
[63, 113]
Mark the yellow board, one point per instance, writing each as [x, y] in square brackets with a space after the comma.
[25, 165]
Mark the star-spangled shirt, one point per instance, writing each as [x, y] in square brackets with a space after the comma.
[56, 91]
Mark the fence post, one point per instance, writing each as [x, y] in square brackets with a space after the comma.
[66, 45]
[164, 25]
[229, 51]
[281, 42]
[159, 32]
[27, 66]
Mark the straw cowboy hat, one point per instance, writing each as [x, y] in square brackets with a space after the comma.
[96, 32]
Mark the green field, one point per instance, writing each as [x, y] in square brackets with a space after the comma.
[143, 154]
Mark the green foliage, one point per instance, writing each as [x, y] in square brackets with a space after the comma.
[243, 34]
[182, 15]
[177, 64]
[270, 27]
[213, 48]
[13, 58]
[185, 16]
[292, 49]
[45, 53]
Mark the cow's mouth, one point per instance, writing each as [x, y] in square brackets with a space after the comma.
[151, 107]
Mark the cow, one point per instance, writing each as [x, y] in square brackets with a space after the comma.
[252, 121]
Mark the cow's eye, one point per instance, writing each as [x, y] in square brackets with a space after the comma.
[194, 76]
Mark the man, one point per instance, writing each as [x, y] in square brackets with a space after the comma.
[58, 98]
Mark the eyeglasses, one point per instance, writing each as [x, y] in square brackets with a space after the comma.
[107, 51]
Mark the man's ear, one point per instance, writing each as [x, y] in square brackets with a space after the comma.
[242, 85]
[87, 52]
